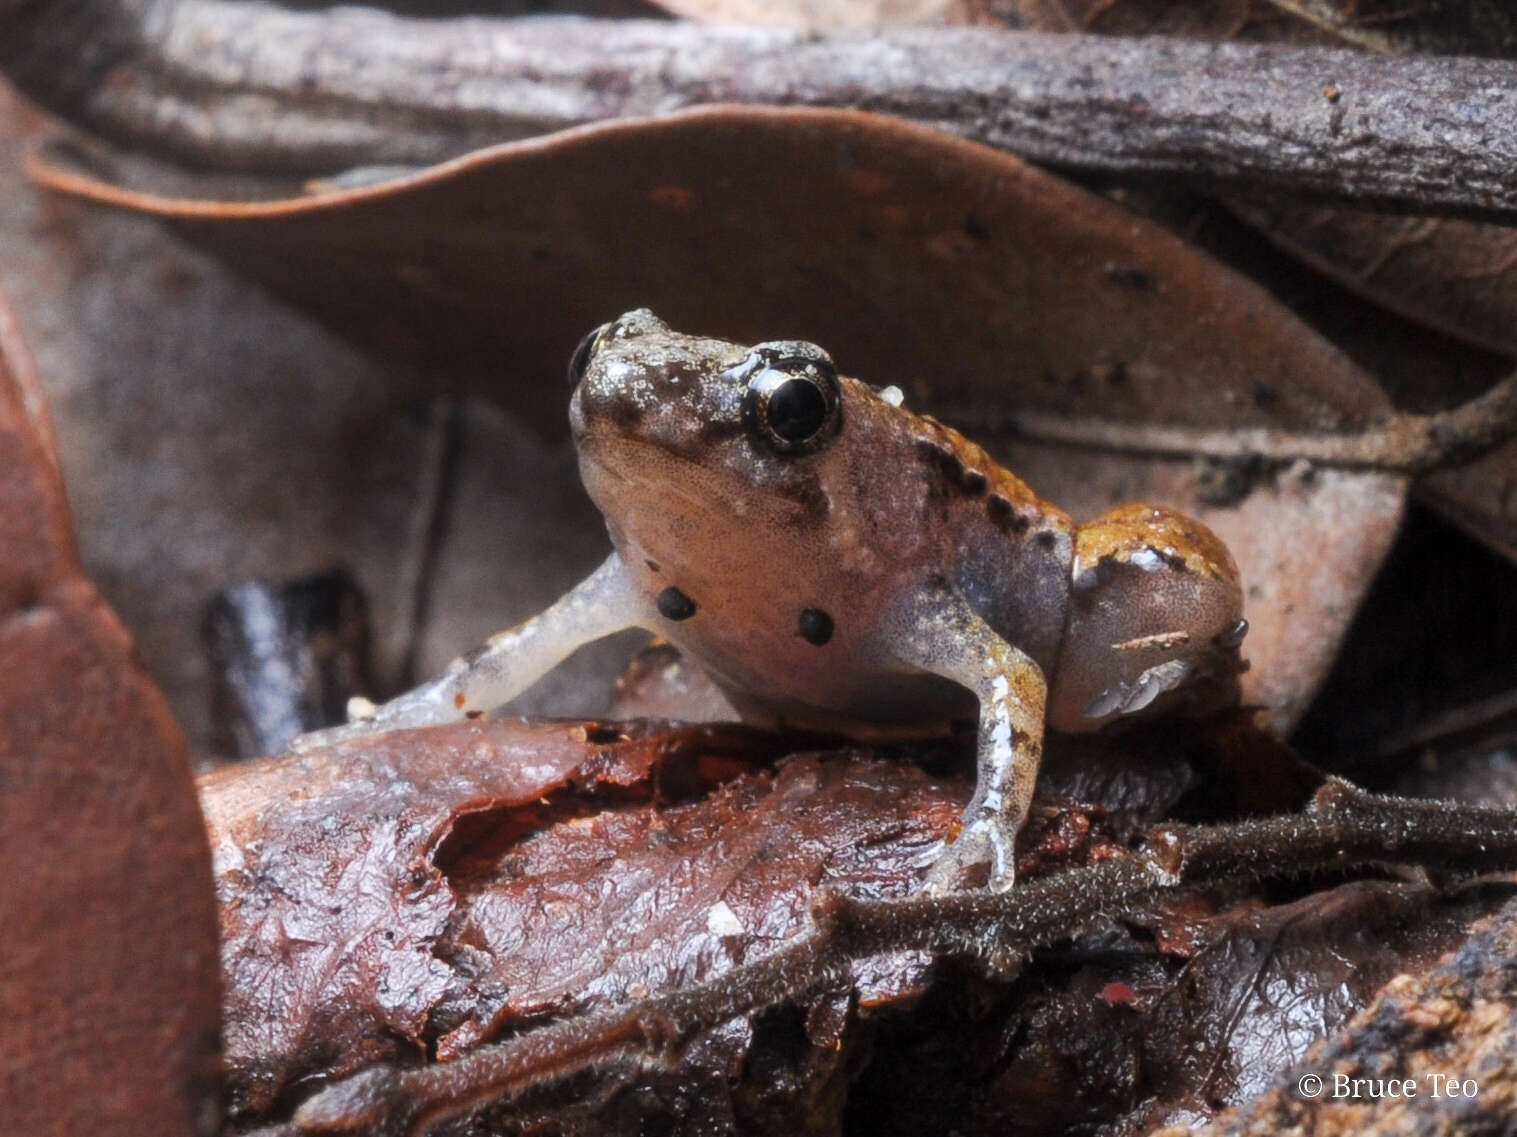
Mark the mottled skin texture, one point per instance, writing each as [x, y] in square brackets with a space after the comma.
[747, 489]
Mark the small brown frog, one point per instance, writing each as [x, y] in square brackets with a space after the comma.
[839, 563]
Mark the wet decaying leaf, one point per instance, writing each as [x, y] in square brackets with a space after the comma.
[433, 888]
[1165, 1016]
[1457, 1021]
[406, 899]
[107, 925]
[951, 270]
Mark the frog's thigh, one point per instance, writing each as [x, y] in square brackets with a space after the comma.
[606, 601]
[947, 637]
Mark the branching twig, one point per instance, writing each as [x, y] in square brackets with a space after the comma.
[355, 87]
[1399, 443]
[1344, 827]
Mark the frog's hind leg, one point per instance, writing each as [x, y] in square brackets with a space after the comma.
[947, 637]
[604, 602]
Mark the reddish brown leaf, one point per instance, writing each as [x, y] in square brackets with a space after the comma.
[367, 888]
[1118, 1034]
[106, 912]
[1456, 1020]
[613, 907]
[423, 892]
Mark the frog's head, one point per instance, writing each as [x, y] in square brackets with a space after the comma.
[1155, 620]
[700, 429]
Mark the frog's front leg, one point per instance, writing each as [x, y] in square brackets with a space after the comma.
[604, 602]
[947, 637]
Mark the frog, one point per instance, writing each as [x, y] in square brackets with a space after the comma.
[838, 563]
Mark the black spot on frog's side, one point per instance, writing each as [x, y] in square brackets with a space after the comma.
[675, 605]
[976, 229]
[814, 626]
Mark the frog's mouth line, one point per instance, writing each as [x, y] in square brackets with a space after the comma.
[614, 461]
[661, 487]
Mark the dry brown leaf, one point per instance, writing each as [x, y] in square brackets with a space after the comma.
[108, 931]
[956, 272]
[1456, 276]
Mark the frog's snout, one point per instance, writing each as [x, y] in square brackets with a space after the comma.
[576, 417]
[603, 394]
[579, 362]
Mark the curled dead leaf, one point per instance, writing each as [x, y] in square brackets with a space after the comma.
[108, 930]
[428, 890]
[951, 270]
[404, 900]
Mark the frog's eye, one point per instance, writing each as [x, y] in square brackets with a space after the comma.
[794, 404]
[582, 353]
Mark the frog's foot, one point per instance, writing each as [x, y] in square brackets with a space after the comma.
[988, 840]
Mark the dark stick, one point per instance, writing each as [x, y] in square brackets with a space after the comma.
[240, 85]
[1345, 826]
[1400, 443]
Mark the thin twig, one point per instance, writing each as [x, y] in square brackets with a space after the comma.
[1399, 443]
[352, 86]
[1344, 827]
[1315, 13]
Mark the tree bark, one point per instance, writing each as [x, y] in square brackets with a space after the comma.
[243, 85]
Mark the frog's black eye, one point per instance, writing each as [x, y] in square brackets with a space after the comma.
[794, 404]
[581, 357]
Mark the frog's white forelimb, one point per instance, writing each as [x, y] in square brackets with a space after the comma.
[508, 663]
[947, 637]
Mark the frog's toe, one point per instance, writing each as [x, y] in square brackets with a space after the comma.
[983, 855]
